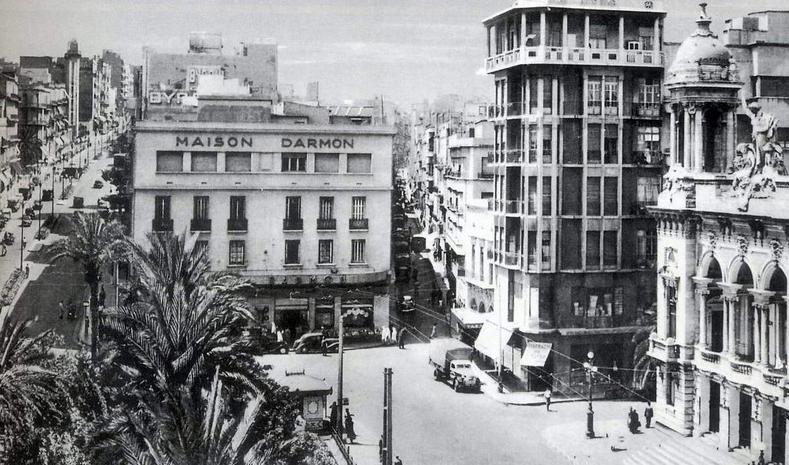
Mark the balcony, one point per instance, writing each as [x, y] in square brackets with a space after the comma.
[162, 224]
[529, 55]
[327, 224]
[293, 224]
[484, 175]
[200, 224]
[663, 349]
[511, 259]
[237, 225]
[741, 368]
[516, 109]
[513, 156]
[711, 357]
[646, 110]
[358, 224]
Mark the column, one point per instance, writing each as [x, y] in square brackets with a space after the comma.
[621, 96]
[701, 297]
[543, 32]
[621, 33]
[656, 44]
[586, 31]
[729, 139]
[492, 39]
[555, 110]
[733, 302]
[523, 29]
[674, 158]
[763, 326]
[698, 145]
[757, 333]
[786, 332]
[540, 93]
[564, 34]
[489, 28]
[725, 348]
[686, 138]
[772, 328]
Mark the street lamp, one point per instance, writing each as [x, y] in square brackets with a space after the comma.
[590, 369]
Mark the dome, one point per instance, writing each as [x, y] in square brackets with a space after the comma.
[701, 50]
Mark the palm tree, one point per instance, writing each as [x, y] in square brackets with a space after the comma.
[92, 243]
[644, 366]
[28, 392]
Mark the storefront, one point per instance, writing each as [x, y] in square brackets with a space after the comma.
[291, 316]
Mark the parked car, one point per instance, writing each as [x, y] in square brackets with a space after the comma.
[451, 362]
[98, 184]
[311, 343]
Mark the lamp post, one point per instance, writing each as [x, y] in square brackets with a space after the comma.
[590, 369]
[53, 191]
[22, 244]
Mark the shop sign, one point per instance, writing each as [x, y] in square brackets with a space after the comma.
[317, 143]
[213, 141]
[168, 97]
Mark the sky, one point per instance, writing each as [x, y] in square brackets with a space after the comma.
[405, 50]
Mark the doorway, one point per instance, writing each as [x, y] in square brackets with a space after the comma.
[715, 407]
[778, 453]
[715, 310]
[293, 324]
[745, 420]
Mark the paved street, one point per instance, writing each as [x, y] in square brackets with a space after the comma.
[434, 425]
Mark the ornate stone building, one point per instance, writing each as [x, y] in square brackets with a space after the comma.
[721, 341]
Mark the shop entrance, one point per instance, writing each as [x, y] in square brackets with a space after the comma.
[745, 420]
[715, 407]
[292, 323]
[779, 435]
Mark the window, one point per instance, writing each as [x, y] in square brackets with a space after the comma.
[533, 95]
[592, 250]
[294, 162]
[172, 162]
[593, 195]
[594, 133]
[597, 36]
[357, 250]
[292, 252]
[611, 95]
[546, 250]
[547, 94]
[265, 161]
[648, 144]
[594, 95]
[238, 162]
[546, 196]
[611, 144]
[532, 199]
[547, 144]
[610, 197]
[161, 207]
[327, 162]
[204, 162]
[647, 191]
[326, 208]
[358, 206]
[646, 246]
[647, 96]
[238, 208]
[672, 384]
[292, 208]
[200, 207]
[645, 38]
[531, 249]
[359, 163]
[609, 248]
[532, 143]
[237, 253]
[671, 307]
[325, 251]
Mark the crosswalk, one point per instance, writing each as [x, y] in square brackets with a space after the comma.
[672, 449]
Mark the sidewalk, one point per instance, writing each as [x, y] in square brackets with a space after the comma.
[615, 445]
[490, 388]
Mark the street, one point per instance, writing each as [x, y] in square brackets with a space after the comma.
[434, 425]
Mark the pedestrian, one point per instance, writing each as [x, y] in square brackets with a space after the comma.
[398, 461]
[433, 331]
[349, 427]
[333, 415]
[385, 334]
[62, 309]
[761, 460]
[3, 250]
[401, 339]
[648, 413]
[286, 335]
[27, 271]
[280, 337]
[548, 399]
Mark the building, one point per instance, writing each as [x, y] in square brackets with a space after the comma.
[721, 344]
[72, 58]
[576, 160]
[168, 77]
[9, 127]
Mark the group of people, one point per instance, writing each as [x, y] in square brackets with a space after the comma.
[347, 424]
[390, 335]
[633, 422]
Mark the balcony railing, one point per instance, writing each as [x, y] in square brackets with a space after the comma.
[358, 223]
[293, 224]
[772, 379]
[200, 224]
[646, 109]
[577, 55]
[162, 224]
[237, 224]
[484, 175]
[327, 224]
[741, 368]
[710, 357]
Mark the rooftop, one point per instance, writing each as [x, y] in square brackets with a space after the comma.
[645, 6]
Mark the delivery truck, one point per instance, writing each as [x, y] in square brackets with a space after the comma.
[451, 362]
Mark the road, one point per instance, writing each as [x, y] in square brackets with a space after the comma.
[434, 425]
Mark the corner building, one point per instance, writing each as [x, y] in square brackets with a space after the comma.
[576, 161]
[302, 210]
[721, 343]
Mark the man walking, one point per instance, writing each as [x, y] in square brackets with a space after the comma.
[27, 271]
[548, 399]
[433, 331]
[648, 414]
[401, 339]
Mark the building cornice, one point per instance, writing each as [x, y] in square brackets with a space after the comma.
[251, 128]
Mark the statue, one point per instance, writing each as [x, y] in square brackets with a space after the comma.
[756, 164]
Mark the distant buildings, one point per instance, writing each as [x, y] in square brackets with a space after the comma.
[9, 127]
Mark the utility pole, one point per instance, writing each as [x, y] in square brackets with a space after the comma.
[339, 381]
[386, 458]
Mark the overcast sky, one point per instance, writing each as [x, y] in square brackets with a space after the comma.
[407, 50]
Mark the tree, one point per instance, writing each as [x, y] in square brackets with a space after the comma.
[644, 366]
[93, 243]
[28, 391]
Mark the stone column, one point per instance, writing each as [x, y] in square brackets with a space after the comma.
[772, 332]
[656, 38]
[730, 138]
[543, 31]
[725, 348]
[564, 34]
[492, 39]
[763, 321]
[586, 31]
[673, 136]
[698, 143]
[686, 138]
[761, 307]
[621, 34]
[523, 29]
[489, 50]
[757, 333]
[701, 297]
[732, 301]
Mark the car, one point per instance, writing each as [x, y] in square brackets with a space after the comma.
[98, 184]
[27, 220]
[272, 346]
[407, 304]
[311, 343]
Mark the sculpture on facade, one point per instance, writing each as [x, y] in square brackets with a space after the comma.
[756, 164]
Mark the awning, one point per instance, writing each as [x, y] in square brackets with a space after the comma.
[535, 354]
[469, 318]
[491, 340]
